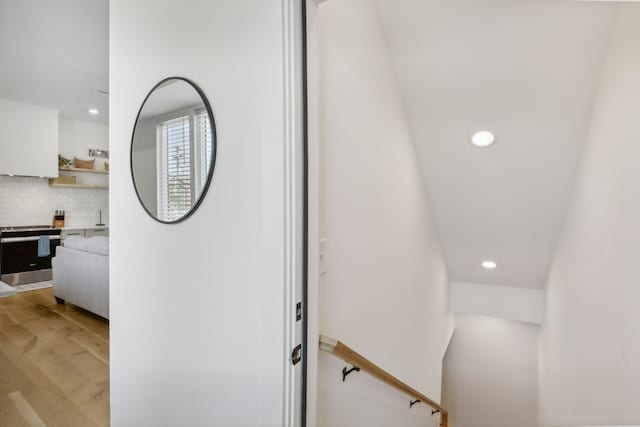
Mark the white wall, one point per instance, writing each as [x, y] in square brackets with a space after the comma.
[385, 292]
[29, 140]
[490, 373]
[77, 137]
[590, 346]
[505, 302]
[31, 201]
[199, 309]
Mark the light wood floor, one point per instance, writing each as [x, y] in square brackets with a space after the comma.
[54, 364]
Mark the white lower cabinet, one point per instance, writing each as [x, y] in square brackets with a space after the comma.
[85, 232]
[90, 232]
[66, 233]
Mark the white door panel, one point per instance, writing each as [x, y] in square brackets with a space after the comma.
[203, 312]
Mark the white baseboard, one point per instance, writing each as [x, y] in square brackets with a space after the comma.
[6, 290]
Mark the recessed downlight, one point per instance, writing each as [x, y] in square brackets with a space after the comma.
[94, 111]
[483, 139]
[489, 265]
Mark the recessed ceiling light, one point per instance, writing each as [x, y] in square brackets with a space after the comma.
[489, 265]
[483, 139]
[93, 111]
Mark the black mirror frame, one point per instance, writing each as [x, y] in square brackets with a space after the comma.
[214, 150]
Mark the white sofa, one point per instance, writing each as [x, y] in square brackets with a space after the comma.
[81, 273]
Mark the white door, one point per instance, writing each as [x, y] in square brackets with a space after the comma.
[203, 312]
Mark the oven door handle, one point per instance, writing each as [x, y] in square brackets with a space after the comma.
[25, 239]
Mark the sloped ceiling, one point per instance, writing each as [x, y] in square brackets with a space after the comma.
[526, 70]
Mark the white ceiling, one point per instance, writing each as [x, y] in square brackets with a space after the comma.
[55, 53]
[525, 69]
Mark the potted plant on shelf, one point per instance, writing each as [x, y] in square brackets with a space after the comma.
[63, 162]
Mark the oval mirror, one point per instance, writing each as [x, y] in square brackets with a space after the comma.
[173, 150]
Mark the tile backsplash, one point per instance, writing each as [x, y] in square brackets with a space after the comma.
[31, 201]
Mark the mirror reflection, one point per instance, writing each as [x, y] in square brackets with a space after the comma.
[173, 150]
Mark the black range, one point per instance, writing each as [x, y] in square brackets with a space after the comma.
[19, 255]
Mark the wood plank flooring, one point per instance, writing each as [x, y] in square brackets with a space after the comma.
[54, 363]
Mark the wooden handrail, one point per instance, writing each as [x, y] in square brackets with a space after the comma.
[340, 350]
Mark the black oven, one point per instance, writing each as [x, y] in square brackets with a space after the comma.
[19, 260]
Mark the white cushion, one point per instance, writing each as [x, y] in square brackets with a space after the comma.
[82, 278]
[98, 245]
[76, 242]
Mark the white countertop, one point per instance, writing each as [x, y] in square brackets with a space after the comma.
[85, 227]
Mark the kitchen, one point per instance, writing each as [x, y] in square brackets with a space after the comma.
[54, 213]
[54, 116]
[44, 196]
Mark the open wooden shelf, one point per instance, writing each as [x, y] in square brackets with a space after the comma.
[84, 170]
[91, 187]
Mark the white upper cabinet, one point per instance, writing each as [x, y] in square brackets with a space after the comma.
[29, 145]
